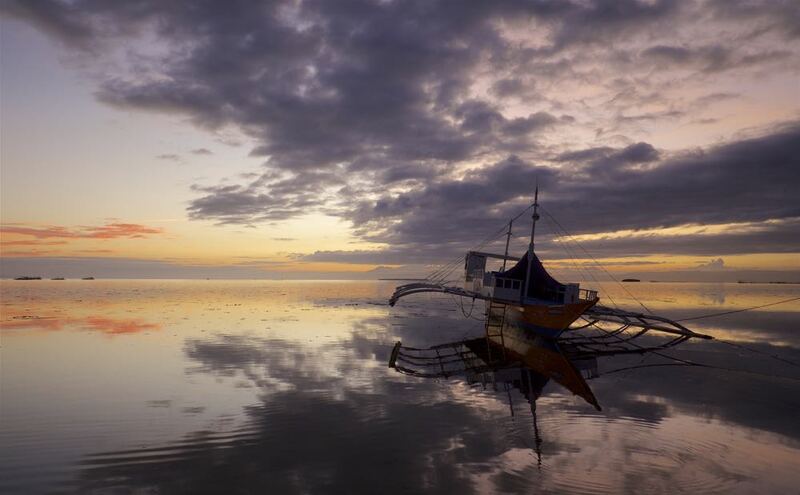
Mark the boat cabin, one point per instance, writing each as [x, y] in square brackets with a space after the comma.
[521, 283]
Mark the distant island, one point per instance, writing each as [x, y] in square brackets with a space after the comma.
[28, 278]
[57, 278]
[87, 278]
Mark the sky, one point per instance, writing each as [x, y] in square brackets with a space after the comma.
[361, 139]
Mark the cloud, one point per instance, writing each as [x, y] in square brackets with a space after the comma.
[201, 151]
[116, 230]
[605, 190]
[770, 237]
[113, 230]
[783, 17]
[423, 123]
[268, 197]
[169, 157]
[717, 264]
[32, 242]
[710, 58]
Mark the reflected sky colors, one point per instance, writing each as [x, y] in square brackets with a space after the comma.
[209, 386]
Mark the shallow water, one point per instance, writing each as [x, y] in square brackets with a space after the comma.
[267, 386]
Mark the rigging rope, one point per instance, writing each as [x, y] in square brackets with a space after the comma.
[699, 365]
[743, 347]
[732, 344]
[756, 351]
[739, 310]
[569, 236]
[573, 261]
[440, 274]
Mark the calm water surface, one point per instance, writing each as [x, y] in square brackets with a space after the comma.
[283, 387]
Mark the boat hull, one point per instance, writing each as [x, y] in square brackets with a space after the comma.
[548, 320]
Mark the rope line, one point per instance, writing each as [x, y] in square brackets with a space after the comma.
[699, 365]
[569, 236]
[440, 274]
[773, 356]
[739, 310]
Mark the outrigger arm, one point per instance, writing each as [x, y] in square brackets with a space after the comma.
[641, 320]
[417, 287]
[597, 313]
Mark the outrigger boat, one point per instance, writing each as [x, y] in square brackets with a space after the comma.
[525, 296]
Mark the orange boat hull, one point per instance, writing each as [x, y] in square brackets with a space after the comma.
[548, 320]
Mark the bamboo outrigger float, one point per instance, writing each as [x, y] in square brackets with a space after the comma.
[525, 296]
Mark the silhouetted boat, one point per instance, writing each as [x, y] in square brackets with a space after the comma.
[27, 278]
[631, 280]
[527, 297]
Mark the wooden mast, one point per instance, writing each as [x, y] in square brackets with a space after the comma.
[508, 239]
[535, 217]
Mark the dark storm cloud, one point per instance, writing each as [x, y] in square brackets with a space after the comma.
[605, 189]
[711, 58]
[321, 83]
[781, 15]
[269, 197]
[372, 111]
[781, 237]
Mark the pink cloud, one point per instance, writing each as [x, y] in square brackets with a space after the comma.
[32, 242]
[113, 230]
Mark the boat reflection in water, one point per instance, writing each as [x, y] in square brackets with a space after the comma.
[520, 360]
[524, 361]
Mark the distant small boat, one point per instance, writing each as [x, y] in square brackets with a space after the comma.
[631, 280]
[28, 278]
[57, 278]
[87, 278]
